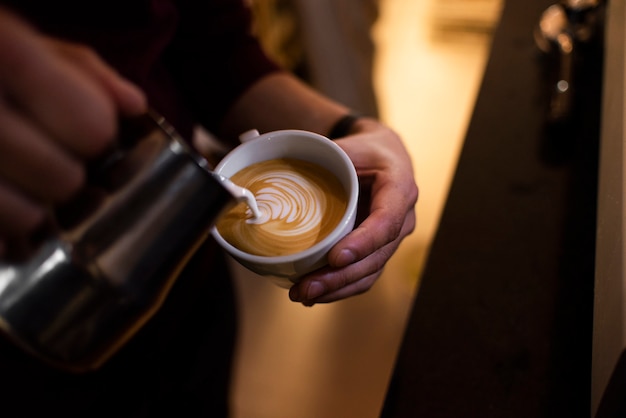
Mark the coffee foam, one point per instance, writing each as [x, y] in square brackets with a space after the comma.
[300, 204]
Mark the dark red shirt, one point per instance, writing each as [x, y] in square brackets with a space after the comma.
[192, 57]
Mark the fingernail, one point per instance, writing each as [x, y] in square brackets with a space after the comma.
[345, 257]
[315, 290]
[294, 294]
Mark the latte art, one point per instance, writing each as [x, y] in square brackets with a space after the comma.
[290, 199]
[299, 202]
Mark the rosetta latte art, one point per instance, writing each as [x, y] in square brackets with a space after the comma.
[300, 204]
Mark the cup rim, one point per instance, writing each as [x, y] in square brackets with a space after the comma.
[334, 236]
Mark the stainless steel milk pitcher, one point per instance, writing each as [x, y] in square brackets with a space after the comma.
[115, 251]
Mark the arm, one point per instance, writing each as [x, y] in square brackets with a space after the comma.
[385, 171]
[281, 101]
[58, 107]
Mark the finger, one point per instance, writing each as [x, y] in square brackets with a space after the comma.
[354, 288]
[18, 216]
[393, 195]
[384, 224]
[329, 284]
[34, 164]
[66, 102]
[129, 98]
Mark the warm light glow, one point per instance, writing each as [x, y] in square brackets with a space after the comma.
[335, 360]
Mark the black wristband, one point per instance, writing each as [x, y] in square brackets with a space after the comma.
[343, 126]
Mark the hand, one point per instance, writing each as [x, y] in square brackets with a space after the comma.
[389, 193]
[59, 104]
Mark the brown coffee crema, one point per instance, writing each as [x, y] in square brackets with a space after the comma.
[300, 204]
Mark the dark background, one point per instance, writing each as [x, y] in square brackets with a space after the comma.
[502, 322]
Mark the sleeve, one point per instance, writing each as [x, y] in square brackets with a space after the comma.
[214, 56]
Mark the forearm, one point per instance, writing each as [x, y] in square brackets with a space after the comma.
[281, 101]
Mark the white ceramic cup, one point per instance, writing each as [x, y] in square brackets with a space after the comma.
[287, 269]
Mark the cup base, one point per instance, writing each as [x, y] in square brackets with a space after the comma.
[283, 282]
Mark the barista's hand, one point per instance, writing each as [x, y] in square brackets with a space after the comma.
[389, 196]
[59, 105]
